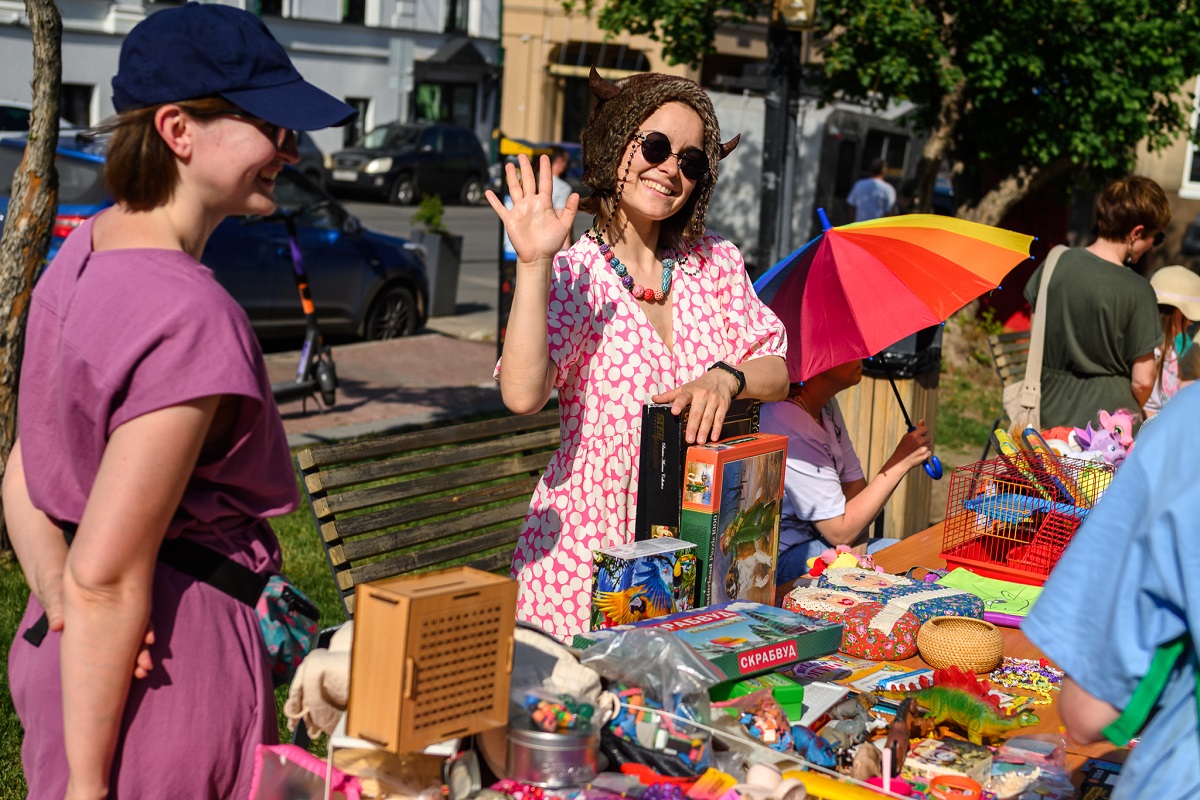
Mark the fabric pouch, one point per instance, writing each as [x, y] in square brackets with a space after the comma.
[289, 624]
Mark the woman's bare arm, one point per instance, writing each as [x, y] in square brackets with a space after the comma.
[108, 579]
[36, 540]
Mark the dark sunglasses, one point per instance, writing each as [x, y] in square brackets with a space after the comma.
[656, 148]
[275, 133]
[1158, 238]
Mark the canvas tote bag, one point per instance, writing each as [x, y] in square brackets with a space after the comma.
[1022, 401]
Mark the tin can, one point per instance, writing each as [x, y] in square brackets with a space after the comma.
[552, 760]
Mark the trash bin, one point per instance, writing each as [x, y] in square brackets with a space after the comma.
[876, 423]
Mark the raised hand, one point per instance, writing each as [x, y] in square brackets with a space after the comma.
[537, 230]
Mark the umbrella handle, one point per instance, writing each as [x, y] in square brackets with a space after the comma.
[933, 466]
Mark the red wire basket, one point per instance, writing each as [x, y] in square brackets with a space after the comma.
[1012, 517]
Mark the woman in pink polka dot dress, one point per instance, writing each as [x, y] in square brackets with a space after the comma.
[648, 306]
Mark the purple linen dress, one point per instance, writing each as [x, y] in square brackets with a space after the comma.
[112, 336]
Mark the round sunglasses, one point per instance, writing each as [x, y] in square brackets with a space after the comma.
[656, 148]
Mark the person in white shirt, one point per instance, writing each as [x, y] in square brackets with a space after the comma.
[872, 197]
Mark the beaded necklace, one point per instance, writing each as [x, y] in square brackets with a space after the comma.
[636, 289]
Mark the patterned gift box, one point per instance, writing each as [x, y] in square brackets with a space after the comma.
[867, 631]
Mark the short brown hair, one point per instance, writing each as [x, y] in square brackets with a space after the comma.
[139, 169]
[1128, 202]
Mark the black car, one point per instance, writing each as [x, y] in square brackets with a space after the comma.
[402, 162]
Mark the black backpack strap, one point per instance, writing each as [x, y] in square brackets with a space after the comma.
[190, 558]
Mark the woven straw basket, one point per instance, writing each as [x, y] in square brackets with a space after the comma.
[971, 644]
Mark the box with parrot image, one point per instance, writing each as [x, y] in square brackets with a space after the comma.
[642, 580]
[732, 498]
[741, 639]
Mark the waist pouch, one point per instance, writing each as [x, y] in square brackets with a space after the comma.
[287, 619]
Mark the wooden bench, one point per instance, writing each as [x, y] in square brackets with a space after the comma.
[412, 502]
[1010, 354]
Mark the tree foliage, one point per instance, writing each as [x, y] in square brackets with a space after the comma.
[1013, 93]
[685, 28]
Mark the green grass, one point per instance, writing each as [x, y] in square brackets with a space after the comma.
[968, 387]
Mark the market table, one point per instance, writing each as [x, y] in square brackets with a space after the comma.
[922, 550]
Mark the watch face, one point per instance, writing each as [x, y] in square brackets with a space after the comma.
[461, 775]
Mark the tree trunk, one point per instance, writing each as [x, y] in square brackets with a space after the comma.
[30, 217]
[994, 205]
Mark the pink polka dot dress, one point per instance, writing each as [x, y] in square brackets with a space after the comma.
[610, 362]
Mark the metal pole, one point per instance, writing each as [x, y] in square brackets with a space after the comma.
[779, 140]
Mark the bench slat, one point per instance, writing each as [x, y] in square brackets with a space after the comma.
[368, 547]
[547, 439]
[325, 455]
[408, 562]
[489, 563]
[355, 500]
[415, 512]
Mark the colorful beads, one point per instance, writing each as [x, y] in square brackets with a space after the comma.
[650, 295]
[1035, 675]
[563, 714]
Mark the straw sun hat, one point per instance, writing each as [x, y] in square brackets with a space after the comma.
[1180, 287]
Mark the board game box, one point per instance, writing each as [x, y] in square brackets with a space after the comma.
[661, 463]
[733, 493]
[642, 580]
[740, 638]
[930, 758]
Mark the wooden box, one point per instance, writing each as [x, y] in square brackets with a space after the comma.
[432, 657]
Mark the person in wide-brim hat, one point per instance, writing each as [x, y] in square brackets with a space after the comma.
[1178, 292]
[149, 438]
[647, 307]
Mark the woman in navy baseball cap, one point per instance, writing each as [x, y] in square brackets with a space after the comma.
[148, 437]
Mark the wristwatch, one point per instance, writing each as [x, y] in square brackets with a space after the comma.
[735, 372]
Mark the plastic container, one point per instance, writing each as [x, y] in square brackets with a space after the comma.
[551, 760]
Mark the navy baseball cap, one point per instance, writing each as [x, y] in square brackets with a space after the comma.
[210, 50]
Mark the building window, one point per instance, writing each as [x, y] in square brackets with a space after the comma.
[269, 8]
[356, 130]
[445, 102]
[602, 55]
[1190, 188]
[75, 103]
[456, 16]
[354, 11]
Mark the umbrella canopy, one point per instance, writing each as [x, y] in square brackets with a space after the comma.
[857, 289]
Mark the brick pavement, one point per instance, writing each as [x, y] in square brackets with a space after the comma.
[391, 385]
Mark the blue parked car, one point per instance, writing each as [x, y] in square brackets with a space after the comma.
[364, 283]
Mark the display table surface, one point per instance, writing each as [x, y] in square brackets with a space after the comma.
[921, 550]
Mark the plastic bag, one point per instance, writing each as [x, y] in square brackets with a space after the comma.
[660, 663]
[655, 671]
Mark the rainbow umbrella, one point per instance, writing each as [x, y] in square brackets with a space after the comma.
[860, 288]
[857, 289]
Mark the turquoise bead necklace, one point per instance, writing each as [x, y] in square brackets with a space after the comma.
[636, 289]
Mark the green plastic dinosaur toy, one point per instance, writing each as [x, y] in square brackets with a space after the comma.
[959, 697]
[977, 716]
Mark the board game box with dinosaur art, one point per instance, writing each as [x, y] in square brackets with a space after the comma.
[642, 580]
[740, 638]
[732, 497]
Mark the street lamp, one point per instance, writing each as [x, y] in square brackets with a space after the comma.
[789, 20]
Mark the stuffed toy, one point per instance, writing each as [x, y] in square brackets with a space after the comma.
[1120, 422]
[838, 557]
[1102, 445]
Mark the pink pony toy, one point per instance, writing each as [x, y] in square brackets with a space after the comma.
[1119, 422]
[1104, 443]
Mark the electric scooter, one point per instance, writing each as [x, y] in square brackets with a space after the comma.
[316, 375]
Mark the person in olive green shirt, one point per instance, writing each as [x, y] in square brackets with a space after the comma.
[1102, 320]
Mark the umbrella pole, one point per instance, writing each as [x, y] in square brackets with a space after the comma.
[933, 467]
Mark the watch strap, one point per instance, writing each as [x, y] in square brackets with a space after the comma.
[735, 372]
